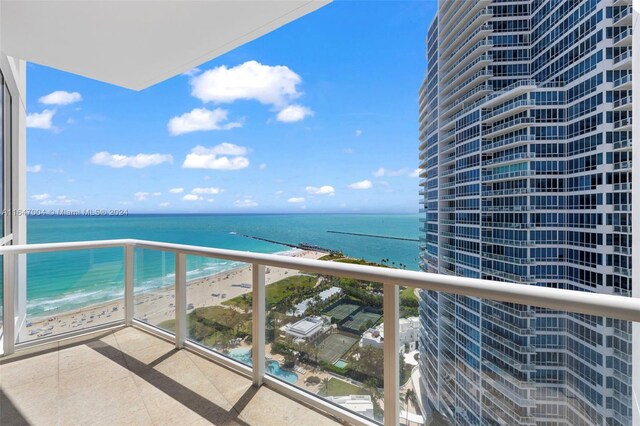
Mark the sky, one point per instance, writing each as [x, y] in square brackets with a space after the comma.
[319, 116]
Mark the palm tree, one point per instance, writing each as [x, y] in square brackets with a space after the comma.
[324, 386]
[409, 397]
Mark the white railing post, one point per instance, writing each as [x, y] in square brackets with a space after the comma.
[259, 323]
[9, 307]
[128, 283]
[181, 299]
[391, 317]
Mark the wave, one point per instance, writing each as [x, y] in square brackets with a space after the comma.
[114, 290]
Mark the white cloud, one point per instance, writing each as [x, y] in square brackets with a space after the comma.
[176, 190]
[192, 72]
[363, 184]
[192, 197]
[41, 120]
[141, 196]
[358, 132]
[201, 119]
[157, 194]
[247, 202]
[36, 168]
[262, 166]
[60, 97]
[226, 148]
[60, 200]
[295, 200]
[415, 173]
[216, 157]
[322, 190]
[293, 113]
[269, 85]
[207, 191]
[138, 161]
[390, 172]
[165, 204]
[41, 197]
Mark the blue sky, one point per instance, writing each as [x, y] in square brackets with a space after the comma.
[317, 116]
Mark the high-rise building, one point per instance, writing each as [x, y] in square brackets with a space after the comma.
[525, 150]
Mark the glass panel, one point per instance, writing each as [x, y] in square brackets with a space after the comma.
[219, 306]
[4, 127]
[153, 288]
[6, 165]
[73, 290]
[323, 337]
[2, 115]
[487, 362]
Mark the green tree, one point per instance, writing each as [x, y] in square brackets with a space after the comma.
[409, 398]
[324, 387]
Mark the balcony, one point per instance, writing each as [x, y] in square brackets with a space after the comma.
[128, 376]
[623, 38]
[624, 82]
[623, 17]
[135, 366]
[623, 60]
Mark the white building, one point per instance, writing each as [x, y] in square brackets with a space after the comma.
[408, 336]
[360, 404]
[307, 329]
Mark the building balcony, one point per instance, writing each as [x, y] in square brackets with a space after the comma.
[623, 61]
[509, 142]
[507, 110]
[623, 104]
[624, 82]
[506, 127]
[128, 376]
[134, 364]
[623, 38]
[623, 17]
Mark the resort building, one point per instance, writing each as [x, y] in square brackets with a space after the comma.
[409, 332]
[360, 404]
[525, 150]
[308, 329]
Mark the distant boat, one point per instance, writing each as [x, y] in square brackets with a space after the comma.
[233, 233]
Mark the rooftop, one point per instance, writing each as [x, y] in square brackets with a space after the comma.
[131, 377]
[305, 326]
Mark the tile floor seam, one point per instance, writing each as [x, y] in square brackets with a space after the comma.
[135, 382]
[233, 410]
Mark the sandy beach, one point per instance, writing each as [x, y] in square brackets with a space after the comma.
[156, 306]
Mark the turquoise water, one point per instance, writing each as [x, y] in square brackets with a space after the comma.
[273, 367]
[69, 280]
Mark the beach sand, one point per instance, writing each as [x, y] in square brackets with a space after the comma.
[157, 305]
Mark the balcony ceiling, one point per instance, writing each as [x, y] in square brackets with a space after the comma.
[135, 44]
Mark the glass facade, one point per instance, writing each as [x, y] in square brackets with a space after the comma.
[525, 150]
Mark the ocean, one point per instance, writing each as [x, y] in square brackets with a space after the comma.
[57, 282]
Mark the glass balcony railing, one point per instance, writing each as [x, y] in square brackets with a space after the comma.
[340, 337]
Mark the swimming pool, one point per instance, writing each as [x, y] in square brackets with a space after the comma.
[243, 355]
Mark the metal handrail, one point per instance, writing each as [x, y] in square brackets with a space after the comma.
[618, 307]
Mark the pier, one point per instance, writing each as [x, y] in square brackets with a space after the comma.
[301, 246]
[385, 237]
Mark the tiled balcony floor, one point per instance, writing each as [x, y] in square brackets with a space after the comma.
[131, 377]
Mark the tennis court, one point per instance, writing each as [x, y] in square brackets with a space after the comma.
[334, 346]
[361, 319]
[342, 311]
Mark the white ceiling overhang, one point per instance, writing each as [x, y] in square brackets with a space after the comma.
[135, 44]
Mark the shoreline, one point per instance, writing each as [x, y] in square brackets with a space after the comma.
[156, 305]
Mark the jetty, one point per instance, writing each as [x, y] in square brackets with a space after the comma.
[301, 246]
[386, 237]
